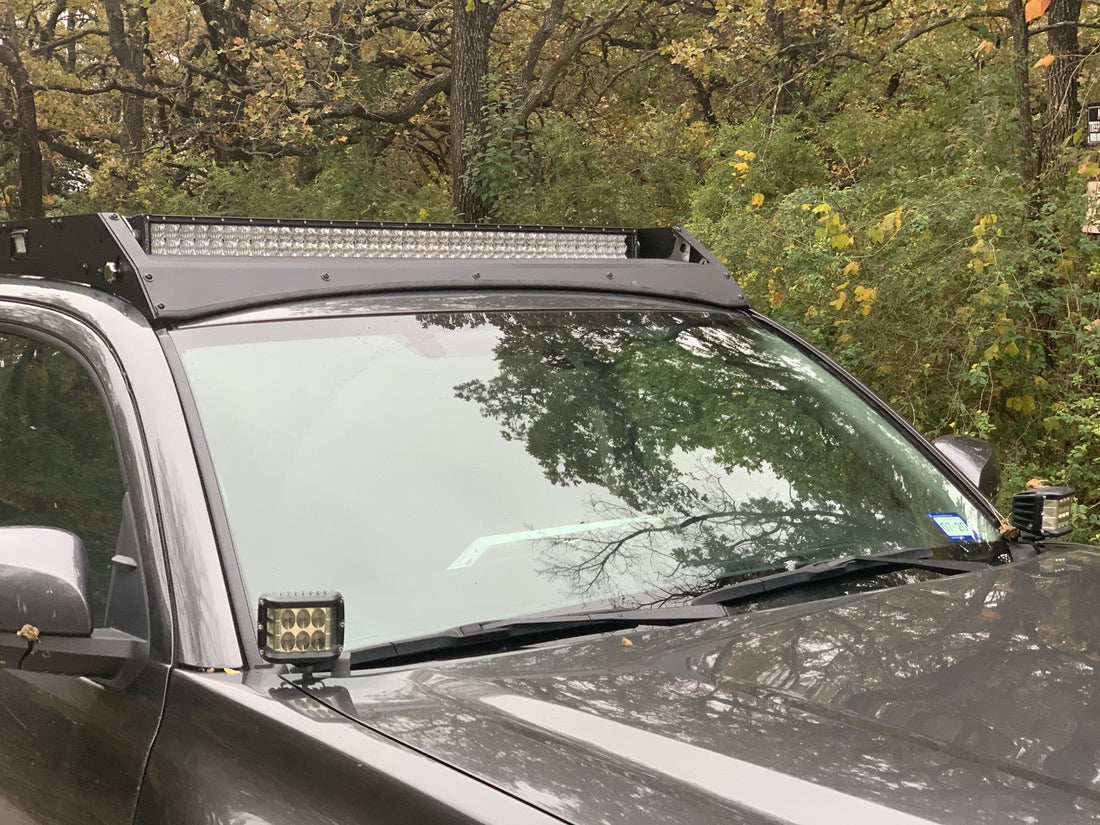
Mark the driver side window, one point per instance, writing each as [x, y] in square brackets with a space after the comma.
[58, 463]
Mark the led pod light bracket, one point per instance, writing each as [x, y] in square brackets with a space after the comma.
[301, 628]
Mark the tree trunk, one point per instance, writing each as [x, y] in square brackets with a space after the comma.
[126, 34]
[473, 24]
[225, 23]
[1062, 108]
[31, 189]
[1029, 165]
[783, 104]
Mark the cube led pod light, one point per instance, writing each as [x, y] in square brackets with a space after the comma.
[301, 628]
[1043, 511]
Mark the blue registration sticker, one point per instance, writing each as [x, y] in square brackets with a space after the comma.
[953, 526]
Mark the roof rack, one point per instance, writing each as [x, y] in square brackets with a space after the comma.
[178, 268]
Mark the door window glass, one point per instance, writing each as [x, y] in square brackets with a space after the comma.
[58, 463]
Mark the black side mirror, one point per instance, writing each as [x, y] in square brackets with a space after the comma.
[975, 459]
[46, 614]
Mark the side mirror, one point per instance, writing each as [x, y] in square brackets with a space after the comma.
[975, 459]
[44, 582]
[46, 614]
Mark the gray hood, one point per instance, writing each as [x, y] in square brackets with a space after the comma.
[970, 699]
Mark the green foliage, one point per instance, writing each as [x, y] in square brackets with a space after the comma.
[783, 159]
[501, 161]
[926, 269]
[338, 185]
[639, 176]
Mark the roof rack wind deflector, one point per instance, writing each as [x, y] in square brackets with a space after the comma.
[179, 268]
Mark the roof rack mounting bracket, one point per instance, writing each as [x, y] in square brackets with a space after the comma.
[179, 268]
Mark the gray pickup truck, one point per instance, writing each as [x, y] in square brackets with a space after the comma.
[335, 522]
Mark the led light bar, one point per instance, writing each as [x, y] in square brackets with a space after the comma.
[301, 628]
[310, 240]
[1043, 511]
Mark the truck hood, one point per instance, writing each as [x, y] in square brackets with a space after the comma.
[969, 699]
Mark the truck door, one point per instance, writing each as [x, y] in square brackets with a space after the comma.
[74, 749]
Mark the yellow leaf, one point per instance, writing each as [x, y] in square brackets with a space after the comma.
[1044, 62]
[865, 295]
[841, 241]
[758, 199]
[741, 166]
[1011, 348]
[991, 352]
[1034, 9]
[1024, 404]
[841, 298]
[853, 269]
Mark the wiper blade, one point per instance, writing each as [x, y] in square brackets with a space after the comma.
[920, 558]
[468, 638]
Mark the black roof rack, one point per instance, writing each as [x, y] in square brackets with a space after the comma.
[177, 268]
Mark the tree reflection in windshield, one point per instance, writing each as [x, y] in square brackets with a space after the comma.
[452, 468]
[722, 450]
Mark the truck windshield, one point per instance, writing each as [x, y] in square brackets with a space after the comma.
[446, 468]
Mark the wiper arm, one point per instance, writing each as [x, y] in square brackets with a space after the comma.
[494, 635]
[920, 558]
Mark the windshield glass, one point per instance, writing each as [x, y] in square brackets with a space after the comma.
[444, 469]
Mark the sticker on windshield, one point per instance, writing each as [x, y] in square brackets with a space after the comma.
[953, 526]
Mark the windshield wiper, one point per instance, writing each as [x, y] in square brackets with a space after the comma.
[506, 634]
[920, 558]
[470, 638]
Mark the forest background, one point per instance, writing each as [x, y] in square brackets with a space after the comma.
[902, 181]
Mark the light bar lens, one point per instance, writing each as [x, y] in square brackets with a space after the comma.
[1056, 515]
[301, 628]
[379, 242]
